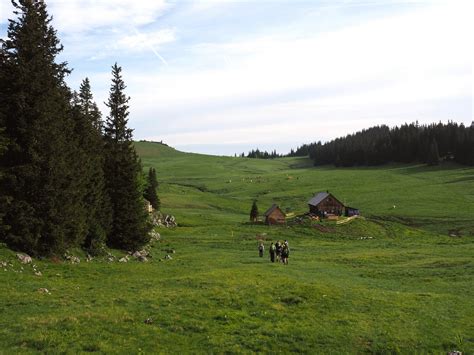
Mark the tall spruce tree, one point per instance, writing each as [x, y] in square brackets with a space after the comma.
[90, 164]
[38, 188]
[254, 212]
[130, 225]
[150, 190]
[3, 146]
[433, 154]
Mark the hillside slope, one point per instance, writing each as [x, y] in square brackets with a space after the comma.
[415, 194]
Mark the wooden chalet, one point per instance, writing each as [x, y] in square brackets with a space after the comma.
[274, 215]
[324, 204]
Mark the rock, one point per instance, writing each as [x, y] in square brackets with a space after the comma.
[44, 290]
[71, 258]
[89, 258]
[38, 273]
[24, 258]
[155, 235]
[455, 352]
[124, 259]
[148, 321]
[142, 259]
[168, 257]
[136, 254]
[110, 259]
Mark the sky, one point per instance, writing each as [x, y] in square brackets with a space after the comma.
[225, 77]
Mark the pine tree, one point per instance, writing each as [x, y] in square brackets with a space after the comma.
[150, 190]
[130, 226]
[90, 164]
[3, 146]
[38, 189]
[433, 155]
[254, 212]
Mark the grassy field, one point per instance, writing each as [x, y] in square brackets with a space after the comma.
[399, 280]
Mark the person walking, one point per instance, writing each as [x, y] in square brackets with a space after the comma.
[272, 252]
[285, 253]
[261, 249]
[278, 251]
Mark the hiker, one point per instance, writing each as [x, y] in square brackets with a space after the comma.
[285, 253]
[261, 249]
[272, 252]
[278, 250]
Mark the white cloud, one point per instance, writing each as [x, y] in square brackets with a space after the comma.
[144, 41]
[85, 15]
[6, 11]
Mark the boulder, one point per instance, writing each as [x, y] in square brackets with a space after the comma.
[24, 258]
[155, 235]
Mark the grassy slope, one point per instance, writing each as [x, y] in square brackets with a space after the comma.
[393, 282]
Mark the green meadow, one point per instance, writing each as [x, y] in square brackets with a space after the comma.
[398, 280]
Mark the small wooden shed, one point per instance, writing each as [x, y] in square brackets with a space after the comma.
[274, 215]
[351, 211]
[324, 204]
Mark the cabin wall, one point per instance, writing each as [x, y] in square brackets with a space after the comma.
[329, 205]
[275, 218]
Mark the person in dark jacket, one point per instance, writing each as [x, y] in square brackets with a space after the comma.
[285, 253]
[272, 252]
[278, 251]
[261, 249]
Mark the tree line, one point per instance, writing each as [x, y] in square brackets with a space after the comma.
[260, 154]
[67, 178]
[409, 143]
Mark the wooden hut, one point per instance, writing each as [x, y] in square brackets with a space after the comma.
[324, 204]
[274, 215]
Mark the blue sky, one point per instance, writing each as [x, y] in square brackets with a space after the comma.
[222, 77]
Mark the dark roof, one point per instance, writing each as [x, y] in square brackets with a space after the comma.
[318, 198]
[271, 209]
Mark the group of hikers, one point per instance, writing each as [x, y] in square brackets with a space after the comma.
[279, 252]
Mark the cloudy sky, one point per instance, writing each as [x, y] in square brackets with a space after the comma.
[222, 77]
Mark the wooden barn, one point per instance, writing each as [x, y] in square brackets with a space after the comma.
[324, 204]
[274, 215]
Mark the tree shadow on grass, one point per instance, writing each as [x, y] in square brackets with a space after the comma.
[423, 168]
